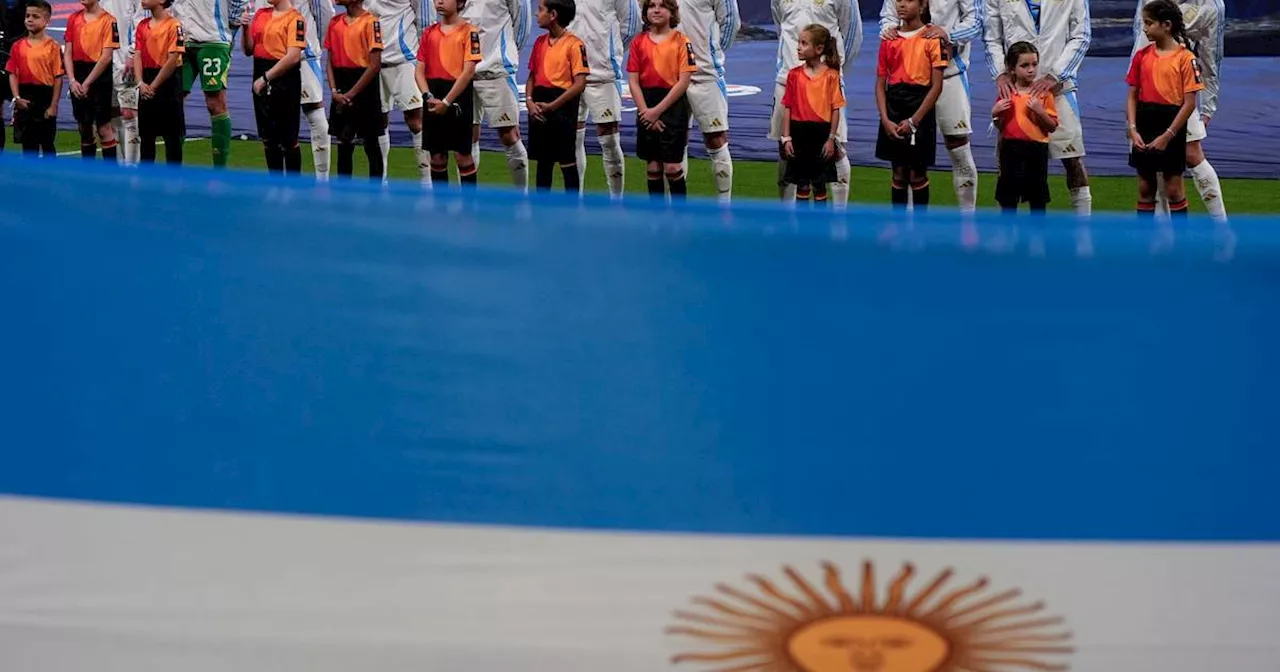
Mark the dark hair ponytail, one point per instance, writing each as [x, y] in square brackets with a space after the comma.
[819, 35]
[1162, 11]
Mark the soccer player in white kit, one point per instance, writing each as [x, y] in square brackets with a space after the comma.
[317, 14]
[1206, 25]
[1060, 30]
[711, 26]
[606, 27]
[956, 23]
[127, 13]
[841, 19]
[400, 21]
[504, 26]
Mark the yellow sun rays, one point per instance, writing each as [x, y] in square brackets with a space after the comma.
[801, 628]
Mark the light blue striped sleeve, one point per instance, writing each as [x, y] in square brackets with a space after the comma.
[993, 36]
[729, 20]
[1068, 66]
[628, 14]
[236, 8]
[849, 21]
[425, 14]
[521, 21]
[969, 27]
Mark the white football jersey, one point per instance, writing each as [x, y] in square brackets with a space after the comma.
[400, 22]
[209, 20]
[711, 26]
[606, 27]
[1062, 35]
[840, 17]
[128, 13]
[962, 19]
[504, 26]
[1206, 22]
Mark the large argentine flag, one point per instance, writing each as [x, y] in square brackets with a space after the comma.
[265, 429]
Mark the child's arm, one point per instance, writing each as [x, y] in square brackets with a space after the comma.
[1045, 116]
[675, 93]
[292, 56]
[535, 109]
[881, 105]
[1131, 113]
[103, 65]
[459, 87]
[67, 64]
[137, 73]
[829, 150]
[52, 112]
[367, 77]
[637, 93]
[246, 40]
[1189, 100]
[170, 64]
[788, 149]
[333, 86]
[935, 90]
[579, 84]
[420, 78]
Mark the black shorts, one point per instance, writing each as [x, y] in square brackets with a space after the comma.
[807, 167]
[1153, 120]
[918, 151]
[31, 126]
[1024, 173]
[95, 107]
[363, 117]
[162, 115]
[451, 131]
[667, 145]
[555, 138]
[278, 108]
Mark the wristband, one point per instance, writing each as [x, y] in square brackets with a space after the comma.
[785, 138]
[911, 124]
[832, 136]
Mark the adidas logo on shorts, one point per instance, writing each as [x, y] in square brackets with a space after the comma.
[715, 123]
[1071, 148]
[415, 100]
[504, 117]
[607, 114]
[962, 125]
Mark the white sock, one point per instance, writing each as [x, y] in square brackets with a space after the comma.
[787, 192]
[424, 158]
[384, 143]
[722, 171]
[475, 153]
[840, 188]
[518, 164]
[581, 155]
[1206, 179]
[964, 177]
[1082, 201]
[319, 142]
[614, 163]
[117, 125]
[1162, 199]
[684, 162]
[130, 141]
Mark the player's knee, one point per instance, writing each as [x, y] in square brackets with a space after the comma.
[507, 136]
[673, 171]
[128, 114]
[440, 161]
[607, 129]
[581, 125]
[475, 133]
[107, 133]
[1076, 175]
[216, 103]
[955, 141]
[1195, 154]
[715, 140]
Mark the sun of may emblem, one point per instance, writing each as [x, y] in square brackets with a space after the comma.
[802, 628]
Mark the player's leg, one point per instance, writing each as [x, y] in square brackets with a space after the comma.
[499, 103]
[898, 186]
[676, 182]
[1203, 175]
[386, 89]
[1067, 145]
[786, 190]
[562, 125]
[209, 64]
[285, 103]
[820, 197]
[264, 122]
[1146, 193]
[919, 188]
[709, 104]
[313, 109]
[468, 174]
[175, 131]
[1175, 193]
[955, 124]
[127, 98]
[580, 143]
[439, 169]
[606, 110]
[406, 96]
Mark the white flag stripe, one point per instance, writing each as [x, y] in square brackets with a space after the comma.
[106, 588]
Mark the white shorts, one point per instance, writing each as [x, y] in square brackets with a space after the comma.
[497, 102]
[602, 102]
[775, 121]
[399, 88]
[126, 97]
[953, 110]
[1068, 141]
[1196, 130]
[312, 75]
[709, 105]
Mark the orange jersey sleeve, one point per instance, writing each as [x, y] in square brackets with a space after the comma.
[89, 38]
[1164, 79]
[555, 65]
[275, 33]
[1019, 122]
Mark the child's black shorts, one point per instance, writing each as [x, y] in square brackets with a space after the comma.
[451, 131]
[363, 117]
[555, 138]
[1153, 120]
[807, 167]
[667, 145]
[901, 102]
[31, 125]
[161, 116]
[95, 108]
[277, 109]
[1024, 173]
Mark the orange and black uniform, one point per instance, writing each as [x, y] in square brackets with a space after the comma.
[87, 38]
[1162, 81]
[660, 65]
[276, 108]
[350, 41]
[1024, 154]
[553, 66]
[443, 55]
[907, 65]
[810, 101]
[161, 116]
[38, 65]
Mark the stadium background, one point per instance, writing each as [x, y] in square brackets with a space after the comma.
[1244, 139]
